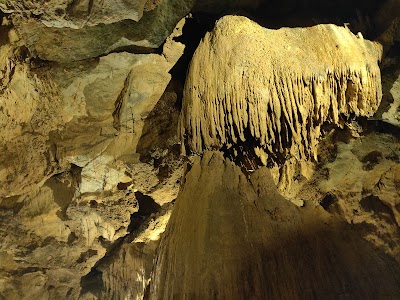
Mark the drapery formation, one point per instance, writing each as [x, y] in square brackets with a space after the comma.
[276, 87]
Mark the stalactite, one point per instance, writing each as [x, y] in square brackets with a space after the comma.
[276, 87]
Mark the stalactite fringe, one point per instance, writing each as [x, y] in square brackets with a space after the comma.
[281, 86]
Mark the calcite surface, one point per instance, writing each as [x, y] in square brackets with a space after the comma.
[277, 88]
[97, 200]
[230, 237]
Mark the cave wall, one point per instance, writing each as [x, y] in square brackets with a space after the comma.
[232, 237]
[91, 96]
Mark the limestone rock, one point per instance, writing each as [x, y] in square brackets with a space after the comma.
[65, 43]
[275, 89]
[30, 108]
[360, 184]
[389, 110]
[90, 160]
[95, 12]
[79, 13]
[126, 275]
[126, 272]
[393, 114]
[85, 113]
[71, 176]
[234, 238]
[51, 239]
[113, 98]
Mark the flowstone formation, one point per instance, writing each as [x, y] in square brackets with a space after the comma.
[232, 235]
[276, 89]
[235, 237]
[91, 169]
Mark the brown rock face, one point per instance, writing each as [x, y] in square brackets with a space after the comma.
[276, 89]
[78, 12]
[98, 32]
[91, 121]
[230, 237]
[66, 199]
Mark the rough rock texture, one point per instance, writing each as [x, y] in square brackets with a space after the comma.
[392, 116]
[90, 159]
[30, 109]
[116, 95]
[92, 40]
[234, 238]
[128, 274]
[54, 239]
[389, 111]
[125, 272]
[80, 170]
[276, 87]
[75, 13]
[86, 113]
[357, 180]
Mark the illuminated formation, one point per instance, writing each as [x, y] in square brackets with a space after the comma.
[276, 87]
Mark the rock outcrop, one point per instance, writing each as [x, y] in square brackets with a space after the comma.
[75, 13]
[72, 179]
[95, 35]
[390, 110]
[357, 180]
[276, 89]
[85, 113]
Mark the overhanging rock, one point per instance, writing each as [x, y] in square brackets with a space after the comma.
[275, 89]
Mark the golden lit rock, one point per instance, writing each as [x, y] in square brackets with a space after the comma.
[275, 89]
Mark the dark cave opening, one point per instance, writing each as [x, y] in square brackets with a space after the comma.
[307, 13]
[4, 38]
[93, 281]
[358, 15]
[193, 31]
[147, 206]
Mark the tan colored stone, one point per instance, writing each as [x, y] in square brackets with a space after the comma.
[68, 43]
[233, 237]
[392, 115]
[274, 89]
[358, 183]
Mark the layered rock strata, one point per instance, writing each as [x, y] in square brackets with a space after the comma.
[78, 30]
